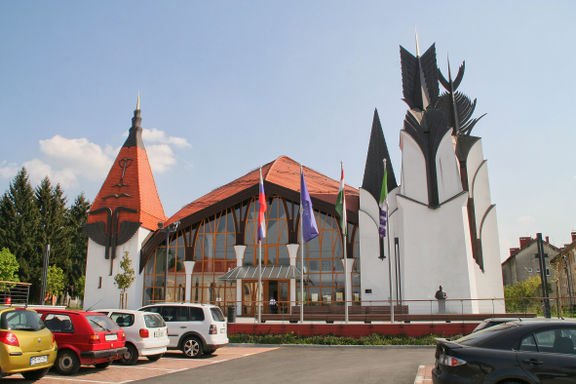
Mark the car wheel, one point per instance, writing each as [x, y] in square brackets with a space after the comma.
[129, 357]
[35, 375]
[192, 347]
[102, 365]
[155, 357]
[67, 363]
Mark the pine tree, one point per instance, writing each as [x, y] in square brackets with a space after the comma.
[19, 228]
[51, 204]
[76, 218]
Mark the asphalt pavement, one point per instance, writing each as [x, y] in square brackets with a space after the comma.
[312, 364]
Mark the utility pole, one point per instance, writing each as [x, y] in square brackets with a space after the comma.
[543, 276]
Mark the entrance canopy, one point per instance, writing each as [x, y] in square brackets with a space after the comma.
[269, 272]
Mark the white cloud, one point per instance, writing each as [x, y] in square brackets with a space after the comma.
[161, 157]
[8, 170]
[80, 163]
[154, 136]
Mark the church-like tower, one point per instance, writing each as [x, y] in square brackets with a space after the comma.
[442, 224]
[125, 211]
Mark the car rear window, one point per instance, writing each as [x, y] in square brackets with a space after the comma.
[101, 323]
[482, 336]
[217, 314]
[21, 320]
[123, 319]
[153, 321]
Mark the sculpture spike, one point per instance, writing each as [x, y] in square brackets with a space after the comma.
[138, 102]
[417, 44]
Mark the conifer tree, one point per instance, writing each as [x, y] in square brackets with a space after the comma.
[19, 226]
[76, 218]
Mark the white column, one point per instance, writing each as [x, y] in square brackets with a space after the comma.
[188, 268]
[239, 250]
[348, 279]
[292, 254]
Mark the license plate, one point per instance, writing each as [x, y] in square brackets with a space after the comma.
[39, 360]
[159, 333]
[111, 337]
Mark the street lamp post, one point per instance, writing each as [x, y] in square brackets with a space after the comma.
[168, 230]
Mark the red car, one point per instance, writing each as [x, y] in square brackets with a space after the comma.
[84, 338]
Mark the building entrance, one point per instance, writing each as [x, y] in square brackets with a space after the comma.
[277, 289]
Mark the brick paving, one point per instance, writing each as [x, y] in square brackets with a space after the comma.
[424, 375]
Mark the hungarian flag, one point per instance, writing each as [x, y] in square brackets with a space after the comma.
[383, 203]
[262, 207]
[309, 227]
[341, 204]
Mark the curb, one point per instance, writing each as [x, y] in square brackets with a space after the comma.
[331, 346]
[424, 374]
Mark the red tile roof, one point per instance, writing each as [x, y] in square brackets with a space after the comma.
[136, 190]
[283, 172]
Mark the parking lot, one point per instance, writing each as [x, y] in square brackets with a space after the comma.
[172, 362]
[249, 364]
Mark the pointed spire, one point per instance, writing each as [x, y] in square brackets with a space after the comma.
[135, 133]
[374, 169]
[417, 44]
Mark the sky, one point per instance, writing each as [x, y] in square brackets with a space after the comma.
[227, 86]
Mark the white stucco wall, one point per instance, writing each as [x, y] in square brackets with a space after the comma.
[447, 169]
[108, 295]
[413, 179]
[373, 271]
[435, 252]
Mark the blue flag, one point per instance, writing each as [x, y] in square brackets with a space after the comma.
[309, 227]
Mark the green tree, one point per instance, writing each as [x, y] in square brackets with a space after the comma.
[19, 228]
[520, 297]
[124, 279]
[76, 218]
[55, 285]
[8, 266]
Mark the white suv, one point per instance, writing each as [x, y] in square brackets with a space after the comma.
[195, 329]
[146, 333]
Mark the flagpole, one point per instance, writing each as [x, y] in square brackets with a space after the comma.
[301, 257]
[389, 253]
[344, 238]
[259, 299]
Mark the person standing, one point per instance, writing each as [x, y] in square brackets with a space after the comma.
[273, 305]
[440, 295]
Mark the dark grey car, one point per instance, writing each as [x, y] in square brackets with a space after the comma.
[514, 352]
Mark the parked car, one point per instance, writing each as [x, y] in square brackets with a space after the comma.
[84, 338]
[513, 352]
[26, 345]
[146, 333]
[487, 323]
[195, 329]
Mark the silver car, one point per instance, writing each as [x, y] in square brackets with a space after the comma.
[146, 333]
[195, 329]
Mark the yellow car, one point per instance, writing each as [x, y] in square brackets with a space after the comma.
[26, 345]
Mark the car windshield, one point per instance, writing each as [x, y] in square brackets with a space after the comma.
[217, 314]
[153, 320]
[101, 323]
[476, 338]
[21, 320]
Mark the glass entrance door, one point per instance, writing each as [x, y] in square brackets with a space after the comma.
[277, 289]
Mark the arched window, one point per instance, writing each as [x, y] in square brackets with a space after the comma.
[274, 251]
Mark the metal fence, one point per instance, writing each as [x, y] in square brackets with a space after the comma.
[12, 293]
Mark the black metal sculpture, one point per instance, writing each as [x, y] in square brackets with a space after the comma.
[431, 116]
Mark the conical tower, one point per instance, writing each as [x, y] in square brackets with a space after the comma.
[126, 208]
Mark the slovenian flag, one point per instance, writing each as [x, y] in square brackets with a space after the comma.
[262, 207]
[341, 204]
[383, 203]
